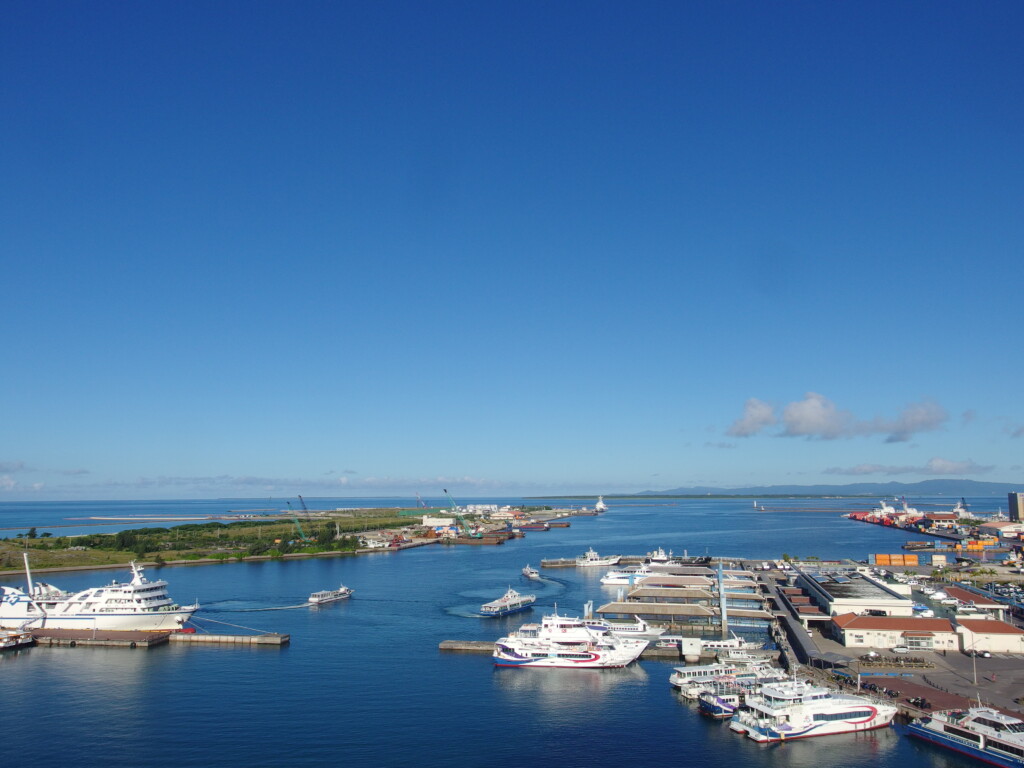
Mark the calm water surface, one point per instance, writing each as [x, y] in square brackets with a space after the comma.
[363, 682]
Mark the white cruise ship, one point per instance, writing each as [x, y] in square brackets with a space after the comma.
[561, 641]
[139, 604]
[797, 709]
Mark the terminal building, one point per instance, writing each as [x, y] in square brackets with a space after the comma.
[690, 601]
[818, 591]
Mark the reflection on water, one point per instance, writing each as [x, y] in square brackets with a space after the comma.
[566, 688]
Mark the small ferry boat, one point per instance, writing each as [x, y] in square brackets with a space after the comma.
[139, 604]
[12, 638]
[330, 595]
[531, 573]
[734, 643]
[591, 558]
[508, 603]
[720, 701]
[980, 732]
[562, 641]
[600, 506]
[798, 709]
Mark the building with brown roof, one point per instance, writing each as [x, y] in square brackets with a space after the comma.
[990, 635]
[855, 631]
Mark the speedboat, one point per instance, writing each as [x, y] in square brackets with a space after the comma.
[139, 604]
[980, 732]
[636, 628]
[590, 557]
[330, 595]
[562, 641]
[799, 709]
[508, 603]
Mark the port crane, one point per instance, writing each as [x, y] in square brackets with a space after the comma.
[467, 530]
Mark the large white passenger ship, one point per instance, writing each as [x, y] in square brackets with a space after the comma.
[139, 604]
[797, 709]
[560, 641]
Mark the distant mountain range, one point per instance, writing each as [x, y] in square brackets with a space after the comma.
[952, 488]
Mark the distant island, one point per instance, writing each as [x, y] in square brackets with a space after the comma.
[951, 488]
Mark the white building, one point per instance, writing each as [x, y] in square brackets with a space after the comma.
[990, 635]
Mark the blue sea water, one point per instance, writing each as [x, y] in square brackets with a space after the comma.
[363, 681]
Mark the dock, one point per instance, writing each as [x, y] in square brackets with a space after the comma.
[87, 638]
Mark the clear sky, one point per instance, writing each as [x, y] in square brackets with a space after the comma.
[508, 248]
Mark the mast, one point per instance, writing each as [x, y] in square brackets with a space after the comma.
[28, 573]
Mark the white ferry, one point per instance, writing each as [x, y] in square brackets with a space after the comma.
[636, 628]
[600, 506]
[531, 573]
[690, 681]
[590, 557]
[627, 576]
[561, 641]
[330, 595]
[980, 732]
[508, 603]
[798, 709]
[139, 604]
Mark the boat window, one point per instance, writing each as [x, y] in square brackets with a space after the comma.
[1000, 747]
[858, 714]
[953, 731]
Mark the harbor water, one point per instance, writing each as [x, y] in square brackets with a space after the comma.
[363, 681]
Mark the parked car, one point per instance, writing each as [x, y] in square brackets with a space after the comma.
[901, 649]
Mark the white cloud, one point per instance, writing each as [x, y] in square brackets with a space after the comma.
[757, 414]
[934, 466]
[7, 483]
[816, 416]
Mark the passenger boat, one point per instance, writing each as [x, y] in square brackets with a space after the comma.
[138, 604]
[508, 603]
[626, 576]
[980, 732]
[600, 506]
[330, 595]
[531, 573]
[12, 638]
[691, 680]
[734, 643]
[720, 701]
[590, 557]
[636, 628]
[561, 641]
[798, 709]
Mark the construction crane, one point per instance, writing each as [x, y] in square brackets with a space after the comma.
[298, 527]
[467, 530]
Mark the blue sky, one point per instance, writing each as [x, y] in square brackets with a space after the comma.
[381, 248]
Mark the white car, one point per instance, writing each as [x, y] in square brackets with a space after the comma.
[901, 649]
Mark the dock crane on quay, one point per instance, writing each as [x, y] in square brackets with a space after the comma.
[467, 530]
